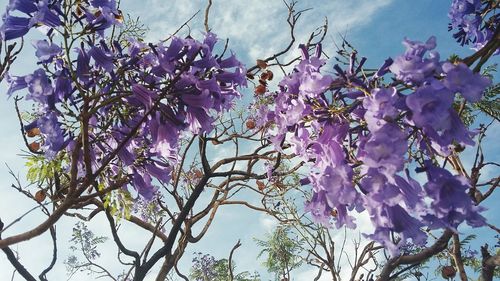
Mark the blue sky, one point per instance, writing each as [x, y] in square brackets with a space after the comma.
[256, 29]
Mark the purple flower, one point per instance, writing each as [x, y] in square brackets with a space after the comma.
[451, 205]
[380, 107]
[198, 120]
[460, 8]
[16, 83]
[46, 15]
[411, 191]
[41, 13]
[39, 87]
[291, 111]
[106, 16]
[431, 110]
[102, 58]
[63, 87]
[45, 50]
[332, 188]
[396, 219]
[319, 208]
[198, 99]
[83, 65]
[315, 84]
[337, 183]
[412, 67]
[385, 149]
[459, 78]
[229, 62]
[384, 68]
[430, 107]
[210, 40]
[164, 138]
[52, 133]
[465, 17]
[159, 170]
[145, 96]
[25, 6]
[379, 188]
[142, 183]
[104, 3]
[236, 77]
[343, 218]
[300, 141]
[14, 27]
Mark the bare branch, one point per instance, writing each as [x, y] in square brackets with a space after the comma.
[15, 262]
[207, 10]
[425, 254]
[230, 260]
[457, 257]
[42, 275]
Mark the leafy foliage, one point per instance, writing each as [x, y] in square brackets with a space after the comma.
[282, 251]
[86, 242]
[42, 170]
[119, 202]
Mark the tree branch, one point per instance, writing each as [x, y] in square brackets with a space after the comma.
[15, 262]
[425, 254]
[230, 260]
[489, 263]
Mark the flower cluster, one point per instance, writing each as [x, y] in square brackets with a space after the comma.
[43, 13]
[127, 103]
[204, 267]
[357, 135]
[95, 15]
[475, 21]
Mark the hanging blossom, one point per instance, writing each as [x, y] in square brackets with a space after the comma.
[22, 15]
[145, 97]
[355, 138]
[32, 13]
[475, 22]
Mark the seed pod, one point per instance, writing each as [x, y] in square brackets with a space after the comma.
[270, 75]
[33, 132]
[260, 185]
[40, 196]
[250, 124]
[264, 76]
[260, 89]
[34, 146]
[262, 64]
[448, 272]
[334, 213]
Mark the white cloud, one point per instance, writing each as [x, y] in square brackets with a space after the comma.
[310, 274]
[267, 223]
[256, 28]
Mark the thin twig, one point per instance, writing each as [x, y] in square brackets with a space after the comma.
[207, 10]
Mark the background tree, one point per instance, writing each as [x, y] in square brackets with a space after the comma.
[206, 267]
[282, 251]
